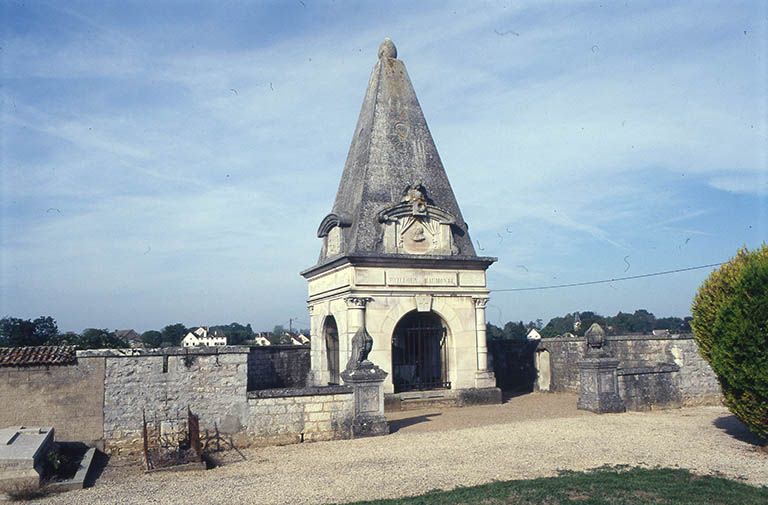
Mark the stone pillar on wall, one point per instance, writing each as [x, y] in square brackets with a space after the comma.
[484, 378]
[598, 376]
[367, 381]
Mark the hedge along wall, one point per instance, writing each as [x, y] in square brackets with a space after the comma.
[653, 370]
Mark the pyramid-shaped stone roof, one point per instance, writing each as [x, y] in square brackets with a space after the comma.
[392, 150]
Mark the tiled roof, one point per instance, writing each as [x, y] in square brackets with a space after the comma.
[38, 355]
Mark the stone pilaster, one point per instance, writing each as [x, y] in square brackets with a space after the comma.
[318, 372]
[484, 378]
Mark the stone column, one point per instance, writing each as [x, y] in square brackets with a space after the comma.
[484, 378]
[355, 321]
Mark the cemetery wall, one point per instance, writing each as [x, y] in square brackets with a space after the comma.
[105, 396]
[68, 397]
[278, 366]
[653, 370]
[300, 415]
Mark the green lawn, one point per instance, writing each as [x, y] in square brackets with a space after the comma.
[614, 486]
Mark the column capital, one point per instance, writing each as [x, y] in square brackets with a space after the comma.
[480, 302]
[356, 302]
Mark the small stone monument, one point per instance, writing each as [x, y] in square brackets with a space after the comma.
[23, 452]
[367, 382]
[598, 377]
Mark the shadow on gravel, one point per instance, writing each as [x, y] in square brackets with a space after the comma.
[100, 461]
[506, 396]
[409, 421]
[735, 428]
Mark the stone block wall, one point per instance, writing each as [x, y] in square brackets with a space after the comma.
[162, 384]
[564, 354]
[300, 415]
[653, 370]
[68, 397]
[278, 366]
[104, 397]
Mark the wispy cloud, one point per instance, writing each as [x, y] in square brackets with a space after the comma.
[187, 163]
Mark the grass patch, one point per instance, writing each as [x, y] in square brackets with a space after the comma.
[604, 486]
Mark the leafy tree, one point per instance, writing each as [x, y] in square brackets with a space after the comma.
[730, 324]
[278, 330]
[173, 334]
[45, 329]
[152, 338]
[17, 332]
[515, 331]
[558, 325]
[236, 333]
[537, 324]
[100, 338]
[588, 318]
[493, 332]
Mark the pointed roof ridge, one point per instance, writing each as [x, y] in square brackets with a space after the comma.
[391, 152]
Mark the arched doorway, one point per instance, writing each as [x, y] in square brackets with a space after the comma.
[419, 353]
[331, 333]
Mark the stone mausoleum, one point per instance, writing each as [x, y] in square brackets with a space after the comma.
[397, 260]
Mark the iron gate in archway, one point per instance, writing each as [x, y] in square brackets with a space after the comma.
[419, 353]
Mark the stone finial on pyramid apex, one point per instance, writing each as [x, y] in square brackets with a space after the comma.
[387, 49]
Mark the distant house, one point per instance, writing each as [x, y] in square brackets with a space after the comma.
[262, 340]
[299, 339]
[533, 334]
[202, 336]
[660, 333]
[130, 336]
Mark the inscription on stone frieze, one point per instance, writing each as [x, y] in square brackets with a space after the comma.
[421, 278]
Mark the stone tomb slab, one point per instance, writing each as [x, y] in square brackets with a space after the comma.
[22, 455]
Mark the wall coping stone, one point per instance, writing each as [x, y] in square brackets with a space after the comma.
[640, 369]
[674, 336]
[166, 351]
[309, 391]
[276, 347]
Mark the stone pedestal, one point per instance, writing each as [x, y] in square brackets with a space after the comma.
[599, 385]
[367, 381]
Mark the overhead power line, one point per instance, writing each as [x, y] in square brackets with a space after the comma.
[605, 281]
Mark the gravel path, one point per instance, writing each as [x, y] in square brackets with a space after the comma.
[446, 448]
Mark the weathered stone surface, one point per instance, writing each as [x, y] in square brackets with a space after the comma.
[68, 397]
[680, 375]
[22, 455]
[278, 366]
[598, 385]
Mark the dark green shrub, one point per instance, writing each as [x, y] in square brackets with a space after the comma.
[730, 324]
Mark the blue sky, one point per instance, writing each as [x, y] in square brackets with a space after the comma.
[170, 161]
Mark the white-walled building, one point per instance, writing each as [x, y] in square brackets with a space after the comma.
[202, 336]
[533, 334]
